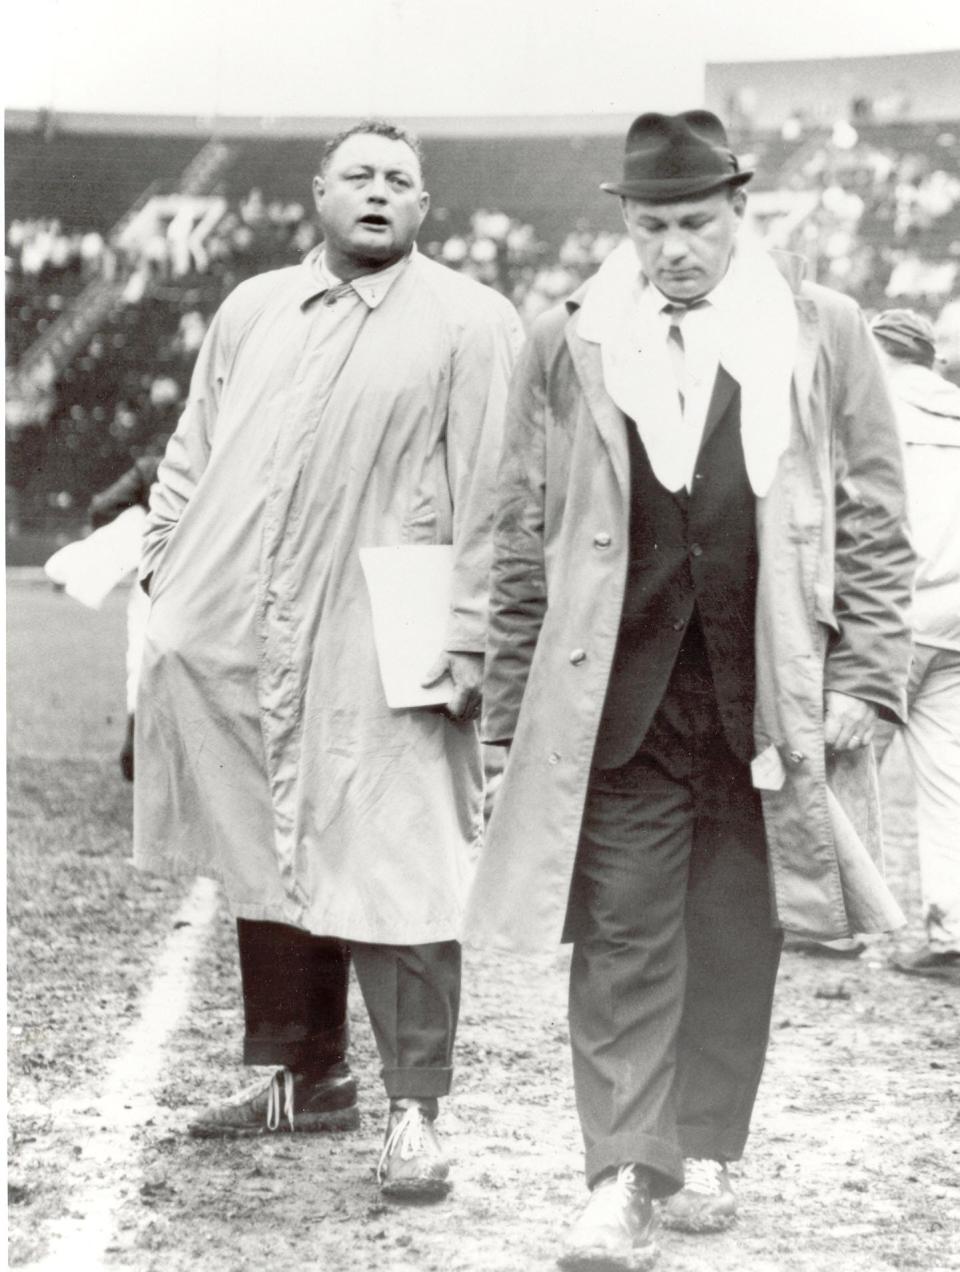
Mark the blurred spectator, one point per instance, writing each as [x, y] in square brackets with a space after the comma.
[131, 490]
[947, 331]
[885, 227]
[928, 412]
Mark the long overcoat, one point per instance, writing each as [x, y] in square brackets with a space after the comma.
[266, 754]
[832, 608]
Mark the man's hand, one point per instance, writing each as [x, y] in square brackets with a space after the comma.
[848, 722]
[466, 672]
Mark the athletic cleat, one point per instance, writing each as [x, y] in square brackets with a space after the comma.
[706, 1202]
[288, 1102]
[615, 1230]
[412, 1166]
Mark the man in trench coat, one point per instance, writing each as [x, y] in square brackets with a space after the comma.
[698, 611]
[354, 400]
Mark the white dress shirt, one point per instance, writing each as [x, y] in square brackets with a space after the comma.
[700, 327]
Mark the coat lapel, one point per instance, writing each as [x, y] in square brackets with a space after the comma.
[607, 416]
[793, 268]
[808, 344]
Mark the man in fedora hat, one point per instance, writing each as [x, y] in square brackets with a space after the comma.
[699, 588]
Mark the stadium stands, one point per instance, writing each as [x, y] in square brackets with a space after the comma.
[881, 221]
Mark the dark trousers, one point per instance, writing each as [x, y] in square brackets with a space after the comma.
[675, 952]
[295, 1003]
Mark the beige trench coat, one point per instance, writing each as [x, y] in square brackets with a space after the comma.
[266, 754]
[833, 594]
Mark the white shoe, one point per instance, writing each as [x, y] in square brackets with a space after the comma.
[706, 1202]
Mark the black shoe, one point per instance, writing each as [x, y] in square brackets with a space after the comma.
[288, 1102]
[615, 1230]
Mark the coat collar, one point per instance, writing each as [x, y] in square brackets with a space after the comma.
[587, 361]
[315, 280]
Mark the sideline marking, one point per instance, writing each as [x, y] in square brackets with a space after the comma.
[127, 1101]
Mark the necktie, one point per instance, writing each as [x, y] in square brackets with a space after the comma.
[675, 345]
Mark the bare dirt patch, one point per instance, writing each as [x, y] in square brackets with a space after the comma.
[854, 1163]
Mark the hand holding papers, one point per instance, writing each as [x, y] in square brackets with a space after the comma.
[410, 589]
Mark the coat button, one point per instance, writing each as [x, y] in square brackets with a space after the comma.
[602, 540]
[578, 656]
[796, 757]
[678, 624]
[553, 758]
[696, 550]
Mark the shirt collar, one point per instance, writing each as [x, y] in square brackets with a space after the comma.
[372, 289]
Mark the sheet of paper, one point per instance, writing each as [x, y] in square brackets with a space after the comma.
[410, 589]
[89, 569]
[767, 770]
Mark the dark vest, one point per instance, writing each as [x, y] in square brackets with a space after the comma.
[688, 553]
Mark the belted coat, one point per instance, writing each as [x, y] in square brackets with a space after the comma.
[835, 576]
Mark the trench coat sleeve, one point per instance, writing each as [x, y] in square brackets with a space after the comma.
[518, 583]
[869, 657]
[480, 376]
[188, 450]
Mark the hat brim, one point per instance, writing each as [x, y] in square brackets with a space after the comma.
[670, 189]
[904, 339]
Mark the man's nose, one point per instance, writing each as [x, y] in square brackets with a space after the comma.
[377, 189]
[674, 247]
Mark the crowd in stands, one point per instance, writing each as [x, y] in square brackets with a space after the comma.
[127, 387]
[887, 224]
[46, 267]
[885, 228]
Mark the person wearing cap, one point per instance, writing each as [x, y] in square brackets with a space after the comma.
[698, 611]
[928, 413]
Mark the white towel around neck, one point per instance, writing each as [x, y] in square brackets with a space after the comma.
[758, 346]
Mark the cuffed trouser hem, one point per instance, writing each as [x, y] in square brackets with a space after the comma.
[712, 1144]
[657, 1156]
[318, 1051]
[417, 1084]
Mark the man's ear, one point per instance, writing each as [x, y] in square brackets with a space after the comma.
[739, 201]
[319, 186]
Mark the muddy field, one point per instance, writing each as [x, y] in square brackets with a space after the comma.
[854, 1163]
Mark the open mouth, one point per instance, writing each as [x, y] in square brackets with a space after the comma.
[374, 222]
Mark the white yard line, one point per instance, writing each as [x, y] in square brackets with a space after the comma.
[108, 1155]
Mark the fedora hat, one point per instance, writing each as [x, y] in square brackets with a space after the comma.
[670, 157]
